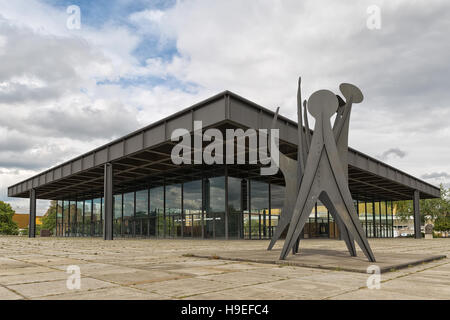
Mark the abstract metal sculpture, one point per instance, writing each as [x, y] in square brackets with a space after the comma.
[321, 171]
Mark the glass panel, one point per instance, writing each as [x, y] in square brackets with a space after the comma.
[245, 189]
[59, 218]
[88, 217]
[66, 218]
[79, 218]
[156, 227]
[362, 215]
[72, 218]
[383, 223]
[377, 220]
[192, 205]
[332, 227]
[142, 203]
[173, 210]
[96, 217]
[215, 207]
[234, 208]
[310, 230]
[277, 200]
[128, 214]
[142, 212]
[260, 208]
[322, 220]
[118, 214]
[370, 219]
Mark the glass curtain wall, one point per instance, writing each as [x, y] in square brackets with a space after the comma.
[128, 214]
[322, 221]
[173, 211]
[65, 218]
[234, 208]
[117, 227]
[88, 227]
[157, 212]
[97, 217]
[79, 219]
[197, 209]
[259, 205]
[192, 206]
[142, 222]
[276, 206]
[216, 209]
[59, 218]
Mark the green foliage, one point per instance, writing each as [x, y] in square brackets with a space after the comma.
[442, 223]
[7, 225]
[25, 231]
[49, 219]
[429, 208]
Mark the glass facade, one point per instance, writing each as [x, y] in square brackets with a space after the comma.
[117, 223]
[142, 223]
[88, 230]
[214, 207]
[128, 214]
[235, 223]
[192, 206]
[173, 209]
[157, 211]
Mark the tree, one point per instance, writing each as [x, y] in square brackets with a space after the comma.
[429, 208]
[442, 224]
[49, 218]
[7, 225]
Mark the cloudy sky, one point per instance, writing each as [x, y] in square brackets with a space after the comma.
[64, 91]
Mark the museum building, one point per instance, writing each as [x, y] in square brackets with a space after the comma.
[130, 187]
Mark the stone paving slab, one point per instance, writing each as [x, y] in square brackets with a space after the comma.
[7, 294]
[325, 259]
[185, 287]
[114, 293]
[46, 288]
[166, 269]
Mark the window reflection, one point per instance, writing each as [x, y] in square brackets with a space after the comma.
[157, 212]
[192, 204]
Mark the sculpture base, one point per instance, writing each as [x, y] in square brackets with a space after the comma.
[326, 259]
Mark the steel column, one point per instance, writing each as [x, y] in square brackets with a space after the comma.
[108, 196]
[32, 220]
[226, 203]
[182, 209]
[416, 205]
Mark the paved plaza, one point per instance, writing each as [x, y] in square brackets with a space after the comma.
[167, 269]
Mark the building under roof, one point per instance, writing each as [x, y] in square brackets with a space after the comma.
[225, 204]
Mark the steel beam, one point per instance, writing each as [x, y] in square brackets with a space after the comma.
[416, 205]
[108, 196]
[32, 220]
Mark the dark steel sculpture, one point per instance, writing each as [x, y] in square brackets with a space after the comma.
[321, 171]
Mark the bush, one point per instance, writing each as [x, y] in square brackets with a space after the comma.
[7, 225]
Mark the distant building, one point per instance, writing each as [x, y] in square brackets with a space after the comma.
[22, 220]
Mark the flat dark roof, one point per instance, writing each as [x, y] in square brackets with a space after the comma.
[144, 155]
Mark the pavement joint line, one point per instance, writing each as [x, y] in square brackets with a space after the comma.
[13, 291]
[93, 277]
[236, 287]
[387, 280]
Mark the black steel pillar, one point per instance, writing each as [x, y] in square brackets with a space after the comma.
[416, 205]
[32, 221]
[108, 196]
[226, 203]
[182, 210]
